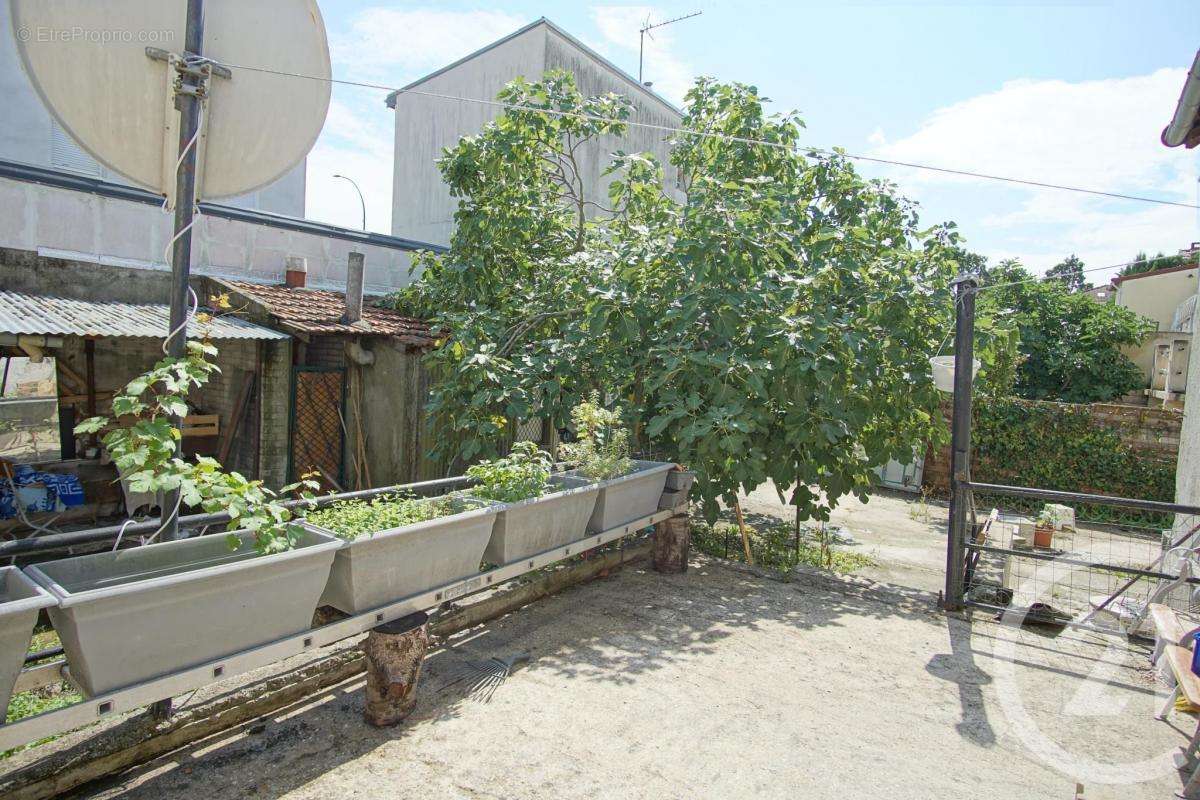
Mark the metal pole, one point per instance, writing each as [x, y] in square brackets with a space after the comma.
[960, 438]
[641, 50]
[181, 255]
[362, 202]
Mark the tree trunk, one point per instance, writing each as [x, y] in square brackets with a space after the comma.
[394, 654]
[672, 542]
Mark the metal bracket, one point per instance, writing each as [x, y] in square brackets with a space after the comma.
[201, 71]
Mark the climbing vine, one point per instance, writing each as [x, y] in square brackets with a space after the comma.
[142, 439]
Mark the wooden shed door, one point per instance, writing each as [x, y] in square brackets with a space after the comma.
[318, 400]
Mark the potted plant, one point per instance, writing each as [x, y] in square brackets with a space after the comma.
[538, 510]
[1043, 532]
[396, 546]
[629, 489]
[126, 616]
[130, 615]
[20, 601]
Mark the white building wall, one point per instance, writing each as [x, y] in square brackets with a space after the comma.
[422, 207]
[1187, 468]
[75, 225]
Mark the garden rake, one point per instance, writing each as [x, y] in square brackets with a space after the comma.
[486, 677]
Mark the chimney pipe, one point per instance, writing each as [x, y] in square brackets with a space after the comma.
[354, 288]
[296, 272]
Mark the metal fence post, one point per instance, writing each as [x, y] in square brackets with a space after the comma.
[960, 439]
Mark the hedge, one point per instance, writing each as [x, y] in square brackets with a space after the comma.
[1059, 446]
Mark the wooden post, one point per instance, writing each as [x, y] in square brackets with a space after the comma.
[672, 541]
[394, 654]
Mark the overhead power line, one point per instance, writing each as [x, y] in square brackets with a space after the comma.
[722, 137]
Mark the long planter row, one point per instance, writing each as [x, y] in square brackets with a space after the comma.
[132, 615]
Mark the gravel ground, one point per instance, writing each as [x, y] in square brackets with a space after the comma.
[727, 683]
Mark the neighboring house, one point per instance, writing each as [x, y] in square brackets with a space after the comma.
[425, 125]
[1184, 129]
[1163, 296]
[1102, 294]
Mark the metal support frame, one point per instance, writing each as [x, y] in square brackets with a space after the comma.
[134, 697]
[960, 440]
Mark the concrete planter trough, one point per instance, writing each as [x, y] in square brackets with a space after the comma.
[131, 615]
[552, 520]
[20, 601]
[381, 567]
[630, 496]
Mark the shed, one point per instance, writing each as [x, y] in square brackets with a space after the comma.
[358, 388]
[97, 347]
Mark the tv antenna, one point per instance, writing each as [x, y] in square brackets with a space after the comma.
[645, 30]
[171, 117]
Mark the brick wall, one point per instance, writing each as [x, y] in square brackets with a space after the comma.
[1151, 431]
[274, 397]
[325, 351]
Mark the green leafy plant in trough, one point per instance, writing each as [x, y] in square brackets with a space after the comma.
[350, 519]
[144, 451]
[521, 475]
[601, 450]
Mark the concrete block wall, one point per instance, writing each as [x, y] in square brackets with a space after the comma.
[106, 231]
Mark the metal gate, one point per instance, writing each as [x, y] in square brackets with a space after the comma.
[316, 424]
[1073, 570]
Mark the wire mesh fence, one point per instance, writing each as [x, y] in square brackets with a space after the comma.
[1083, 570]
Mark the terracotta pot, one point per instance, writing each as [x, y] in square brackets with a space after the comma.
[1043, 536]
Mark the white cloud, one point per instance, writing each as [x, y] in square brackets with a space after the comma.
[1101, 134]
[401, 45]
[619, 25]
[392, 47]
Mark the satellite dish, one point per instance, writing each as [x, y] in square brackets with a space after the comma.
[88, 61]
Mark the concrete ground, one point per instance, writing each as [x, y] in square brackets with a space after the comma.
[727, 683]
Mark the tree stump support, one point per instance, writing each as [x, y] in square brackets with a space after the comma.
[672, 543]
[394, 653]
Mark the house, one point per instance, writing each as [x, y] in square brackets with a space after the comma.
[1184, 129]
[1165, 297]
[422, 207]
[1102, 294]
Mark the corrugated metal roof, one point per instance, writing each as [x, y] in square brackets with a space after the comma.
[320, 311]
[43, 315]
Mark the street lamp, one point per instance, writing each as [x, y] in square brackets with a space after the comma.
[360, 198]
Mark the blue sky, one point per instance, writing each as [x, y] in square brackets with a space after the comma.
[1065, 92]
